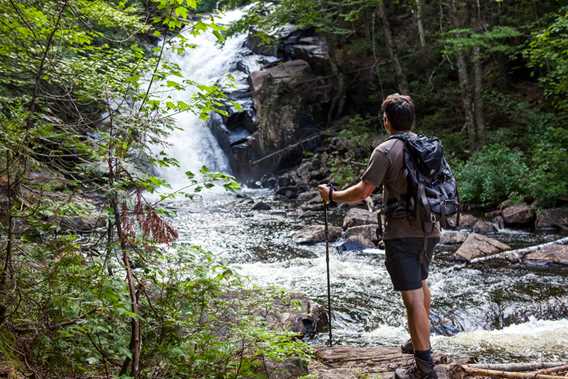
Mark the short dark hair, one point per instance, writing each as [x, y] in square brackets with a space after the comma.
[400, 111]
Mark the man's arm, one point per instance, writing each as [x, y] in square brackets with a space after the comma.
[358, 192]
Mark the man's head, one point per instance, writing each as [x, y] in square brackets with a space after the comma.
[398, 113]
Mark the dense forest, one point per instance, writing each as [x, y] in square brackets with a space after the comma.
[488, 78]
[89, 286]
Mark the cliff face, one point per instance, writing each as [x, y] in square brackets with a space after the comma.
[284, 91]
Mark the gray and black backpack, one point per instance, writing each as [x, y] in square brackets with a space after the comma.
[432, 188]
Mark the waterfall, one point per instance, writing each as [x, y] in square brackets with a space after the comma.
[192, 144]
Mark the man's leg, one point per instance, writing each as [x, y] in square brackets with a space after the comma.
[417, 313]
[427, 296]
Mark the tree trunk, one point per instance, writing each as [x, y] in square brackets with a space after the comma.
[469, 124]
[400, 77]
[478, 101]
[478, 82]
[338, 100]
[135, 339]
[419, 24]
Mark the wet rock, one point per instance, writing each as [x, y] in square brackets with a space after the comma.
[286, 180]
[357, 243]
[313, 171]
[296, 313]
[308, 196]
[290, 368]
[309, 214]
[316, 233]
[359, 216]
[260, 46]
[552, 255]
[84, 223]
[290, 105]
[519, 215]
[505, 204]
[552, 220]
[314, 204]
[499, 222]
[467, 221]
[452, 237]
[484, 227]
[363, 233]
[268, 181]
[478, 245]
[280, 253]
[312, 49]
[261, 206]
[289, 192]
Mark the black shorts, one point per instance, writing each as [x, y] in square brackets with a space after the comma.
[402, 259]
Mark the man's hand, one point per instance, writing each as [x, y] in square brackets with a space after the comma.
[352, 194]
[324, 192]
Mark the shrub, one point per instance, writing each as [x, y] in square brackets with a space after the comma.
[492, 175]
[549, 162]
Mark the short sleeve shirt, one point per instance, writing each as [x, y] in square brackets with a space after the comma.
[386, 168]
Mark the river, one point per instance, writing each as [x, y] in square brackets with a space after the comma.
[489, 312]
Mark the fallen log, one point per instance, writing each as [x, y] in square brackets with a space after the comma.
[518, 254]
[525, 366]
[553, 370]
[507, 374]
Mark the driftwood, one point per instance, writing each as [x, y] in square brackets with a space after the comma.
[518, 254]
[526, 366]
[553, 370]
[507, 374]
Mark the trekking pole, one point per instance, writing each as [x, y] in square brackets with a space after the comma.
[328, 278]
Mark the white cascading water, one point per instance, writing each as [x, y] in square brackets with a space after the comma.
[193, 145]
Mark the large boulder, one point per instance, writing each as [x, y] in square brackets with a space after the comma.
[83, 223]
[518, 215]
[452, 237]
[359, 216]
[259, 45]
[261, 206]
[290, 102]
[551, 255]
[312, 49]
[366, 234]
[316, 233]
[552, 220]
[360, 237]
[467, 221]
[484, 227]
[478, 245]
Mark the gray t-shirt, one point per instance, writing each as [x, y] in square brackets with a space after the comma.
[386, 167]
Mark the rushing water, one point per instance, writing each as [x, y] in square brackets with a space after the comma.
[491, 312]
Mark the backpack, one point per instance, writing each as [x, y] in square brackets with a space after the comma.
[432, 188]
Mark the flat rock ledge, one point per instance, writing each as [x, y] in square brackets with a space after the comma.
[350, 362]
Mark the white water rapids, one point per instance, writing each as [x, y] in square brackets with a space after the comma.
[497, 313]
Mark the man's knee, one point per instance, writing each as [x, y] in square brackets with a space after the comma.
[413, 299]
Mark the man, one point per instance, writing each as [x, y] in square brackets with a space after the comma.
[407, 255]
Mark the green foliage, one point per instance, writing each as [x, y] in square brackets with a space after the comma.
[356, 139]
[549, 161]
[491, 175]
[546, 52]
[87, 268]
[490, 41]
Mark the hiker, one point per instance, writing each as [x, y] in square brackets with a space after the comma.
[408, 244]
